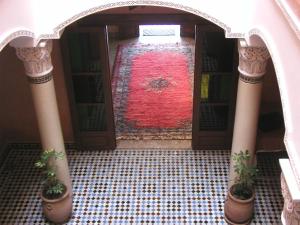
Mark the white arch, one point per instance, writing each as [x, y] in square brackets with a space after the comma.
[282, 41]
[214, 15]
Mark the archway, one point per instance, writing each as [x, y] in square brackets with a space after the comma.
[214, 130]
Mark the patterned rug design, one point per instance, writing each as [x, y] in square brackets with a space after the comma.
[142, 186]
[152, 89]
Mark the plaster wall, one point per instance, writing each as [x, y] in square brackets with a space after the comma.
[17, 21]
[17, 118]
[270, 92]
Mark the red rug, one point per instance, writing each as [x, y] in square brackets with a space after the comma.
[153, 91]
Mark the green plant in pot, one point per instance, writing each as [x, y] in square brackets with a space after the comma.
[239, 204]
[56, 199]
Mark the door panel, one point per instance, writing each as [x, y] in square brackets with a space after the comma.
[86, 63]
[214, 89]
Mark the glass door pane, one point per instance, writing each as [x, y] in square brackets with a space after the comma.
[216, 81]
[87, 79]
[215, 87]
[92, 117]
[84, 56]
[88, 88]
[213, 117]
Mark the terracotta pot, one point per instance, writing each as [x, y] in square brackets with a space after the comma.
[58, 210]
[238, 211]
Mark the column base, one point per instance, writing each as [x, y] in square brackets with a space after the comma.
[232, 223]
[291, 195]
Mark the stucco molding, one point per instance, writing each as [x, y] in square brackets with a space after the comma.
[291, 210]
[15, 34]
[250, 79]
[147, 3]
[41, 79]
[37, 60]
[58, 29]
[252, 60]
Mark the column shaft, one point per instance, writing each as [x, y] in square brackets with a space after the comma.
[38, 67]
[45, 104]
[246, 119]
[252, 67]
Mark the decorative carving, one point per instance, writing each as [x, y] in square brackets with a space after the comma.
[40, 79]
[37, 61]
[14, 35]
[251, 80]
[253, 60]
[291, 210]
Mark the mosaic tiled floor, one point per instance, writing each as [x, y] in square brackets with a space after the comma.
[137, 187]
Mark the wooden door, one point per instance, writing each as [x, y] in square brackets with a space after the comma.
[214, 89]
[86, 63]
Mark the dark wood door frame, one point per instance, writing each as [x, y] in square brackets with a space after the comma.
[106, 139]
[211, 139]
[97, 20]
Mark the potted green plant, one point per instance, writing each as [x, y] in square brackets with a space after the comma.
[56, 199]
[239, 204]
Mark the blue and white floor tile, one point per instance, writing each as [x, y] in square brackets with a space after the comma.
[142, 186]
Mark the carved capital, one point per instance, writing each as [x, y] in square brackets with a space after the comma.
[291, 210]
[37, 60]
[253, 60]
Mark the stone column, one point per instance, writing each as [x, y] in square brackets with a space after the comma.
[252, 67]
[38, 68]
[291, 210]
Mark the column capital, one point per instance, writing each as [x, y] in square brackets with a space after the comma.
[37, 60]
[252, 61]
[291, 210]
